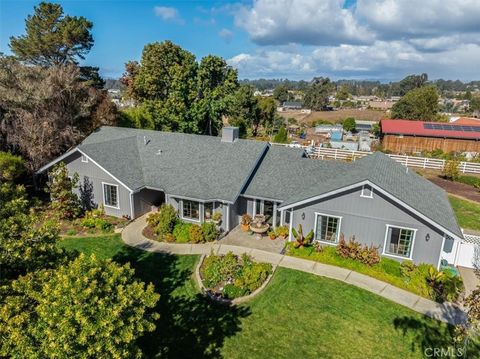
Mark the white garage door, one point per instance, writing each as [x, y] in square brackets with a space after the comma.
[468, 253]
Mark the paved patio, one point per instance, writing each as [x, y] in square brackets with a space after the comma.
[243, 239]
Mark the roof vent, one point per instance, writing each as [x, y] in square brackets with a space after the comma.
[159, 152]
[230, 134]
[145, 140]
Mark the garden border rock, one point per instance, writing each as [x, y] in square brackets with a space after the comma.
[239, 300]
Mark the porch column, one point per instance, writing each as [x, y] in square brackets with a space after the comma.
[282, 217]
[201, 208]
[274, 221]
[254, 207]
[291, 226]
[227, 221]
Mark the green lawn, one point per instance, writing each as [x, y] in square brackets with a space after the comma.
[467, 212]
[298, 315]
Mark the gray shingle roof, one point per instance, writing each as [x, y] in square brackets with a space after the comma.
[284, 173]
[206, 168]
[412, 189]
[201, 167]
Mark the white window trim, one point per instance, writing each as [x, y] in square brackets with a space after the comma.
[364, 195]
[84, 159]
[385, 253]
[188, 218]
[103, 195]
[317, 214]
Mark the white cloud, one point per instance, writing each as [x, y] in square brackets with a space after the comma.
[381, 60]
[414, 18]
[384, 39]
[313, 22]
[168, 14]
[226, 35]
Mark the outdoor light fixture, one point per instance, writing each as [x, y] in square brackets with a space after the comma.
[427, 237]
[303, 215]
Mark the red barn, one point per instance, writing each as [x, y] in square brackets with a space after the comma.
[405, 136]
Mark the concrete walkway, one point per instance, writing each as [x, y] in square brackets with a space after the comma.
[447, 312]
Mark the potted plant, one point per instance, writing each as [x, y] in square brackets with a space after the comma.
[217, 217]
[272, 235]
[246, 220]
[282, 232]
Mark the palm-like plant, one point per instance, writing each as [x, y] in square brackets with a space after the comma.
[301, 240]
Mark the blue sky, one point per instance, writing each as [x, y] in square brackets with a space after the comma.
[298, 39]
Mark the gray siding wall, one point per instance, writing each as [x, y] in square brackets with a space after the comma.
[96, 175]
[366, 218]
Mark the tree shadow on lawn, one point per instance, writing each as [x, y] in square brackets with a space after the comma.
[190, 325]
[428, 334]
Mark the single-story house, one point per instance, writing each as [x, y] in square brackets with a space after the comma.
[375, 199]
[405, 136]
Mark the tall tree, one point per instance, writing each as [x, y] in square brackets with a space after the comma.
[174, 93]
[215, 81]
[280, 93]
[52, 38]
[64, 201]
[243, 110]
[267, 110]
[412, 82]
[87, 309]
[418, 104]
[316, 96]
[45, 111]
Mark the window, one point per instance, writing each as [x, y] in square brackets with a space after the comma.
[327, 228]
[110, 195]
[367, 191]
[84, 159]
[190, 210]
[399, 241]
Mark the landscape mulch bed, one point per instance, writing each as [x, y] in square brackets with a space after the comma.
[148, 232]
[456, 188]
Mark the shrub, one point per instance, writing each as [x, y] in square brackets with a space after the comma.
[252, 274]
[95, 219]
[300, 239]
[169, 238]
[196, 234]
[282, 231]
[153, 219]
[217, 216]
[218, 268]
[167, 218]
[354, 250]
[71, 232]
[239, 277]
[231, 291]
[450, 170]
[210, 231]
[246, 219]
[181, 232]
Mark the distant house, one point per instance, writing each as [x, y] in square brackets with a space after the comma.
[404, 136]
[292, 105]
[361, 125]
[374, 198]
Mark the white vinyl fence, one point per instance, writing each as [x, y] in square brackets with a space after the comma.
[409, 161]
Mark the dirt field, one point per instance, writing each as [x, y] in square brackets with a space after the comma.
[334, 116]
